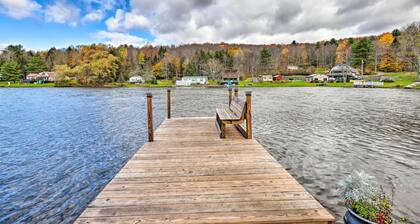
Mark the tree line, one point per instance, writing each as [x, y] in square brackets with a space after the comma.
[98, 64]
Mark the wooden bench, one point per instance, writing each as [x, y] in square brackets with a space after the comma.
[237, 113]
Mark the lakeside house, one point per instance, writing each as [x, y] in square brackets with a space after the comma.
[267, 78]
[295, 77]
[41, 77]
[192, 80]
[263, 78]
[136, 79]
[316, 78]
[343, 73]
[232, 76]
[292, 68]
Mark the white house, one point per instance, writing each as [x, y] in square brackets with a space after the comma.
[267, 78]
[136, 79]
[42, 77]
[317, 77]
[192, 80]
[292, 67]
[48, 76]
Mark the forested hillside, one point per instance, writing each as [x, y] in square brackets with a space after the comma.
[99, 64]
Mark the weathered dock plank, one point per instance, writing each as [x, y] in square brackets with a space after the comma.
[190, 175]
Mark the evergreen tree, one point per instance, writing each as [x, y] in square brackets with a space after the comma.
[265, 60]
[362, 51]
[36, 65]
[10, 70]
[396, 33]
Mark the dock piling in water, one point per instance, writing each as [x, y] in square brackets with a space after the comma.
[248, 114]
[150, 116]
[236, 92]
[230, 94]
[168, 102]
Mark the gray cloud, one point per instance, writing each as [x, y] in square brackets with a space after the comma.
[286, 11]
[264, 21]
[347, 6]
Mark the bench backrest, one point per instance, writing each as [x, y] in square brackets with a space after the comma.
[238, 107]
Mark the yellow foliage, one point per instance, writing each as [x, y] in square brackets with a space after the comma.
[234, 51]
[386, 39]
[141, 58]
[389, 62]
[340, 52]
[158, 68]
[93, 52]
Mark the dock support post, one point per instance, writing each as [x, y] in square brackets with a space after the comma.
[168, 103]
[236, 92]
[248, 114]
[230, 95]
[149, 116]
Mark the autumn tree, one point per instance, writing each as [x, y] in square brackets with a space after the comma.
[158, 69]
[72, 57]
[409, 47]
[214, 69]
[124, 63]
[342, 52]
[388, 62]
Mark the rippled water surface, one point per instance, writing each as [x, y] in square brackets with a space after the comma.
[59, 147]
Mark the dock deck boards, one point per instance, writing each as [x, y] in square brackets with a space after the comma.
[189, 175]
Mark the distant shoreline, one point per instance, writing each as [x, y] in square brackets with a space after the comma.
[400, 80]
[257, 85]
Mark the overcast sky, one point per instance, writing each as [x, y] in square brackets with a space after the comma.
[43, 24]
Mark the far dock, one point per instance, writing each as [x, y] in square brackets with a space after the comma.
[187, 174]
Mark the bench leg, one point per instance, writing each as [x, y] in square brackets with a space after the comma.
[219, 125]
[222, 130]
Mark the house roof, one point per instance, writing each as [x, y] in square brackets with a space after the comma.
[48, 73]
[32, 75]
[343, 68]
[230, 74]
[193, 76]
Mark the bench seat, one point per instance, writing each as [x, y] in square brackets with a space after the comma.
[225, 113]
[235, 113]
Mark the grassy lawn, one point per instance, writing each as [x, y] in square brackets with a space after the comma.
[25, 85]
[275, 84]
[401, 79]
[292, 84]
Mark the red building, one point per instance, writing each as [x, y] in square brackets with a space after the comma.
[277, 78]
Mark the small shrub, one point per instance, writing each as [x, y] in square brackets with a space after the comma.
[365, 197]
[387, 80]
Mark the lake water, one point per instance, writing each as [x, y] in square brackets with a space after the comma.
[60, 147]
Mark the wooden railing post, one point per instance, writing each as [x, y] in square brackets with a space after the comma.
[168, 103]
[149, 116]
[248, 114]
[236, 92]
[230, 94]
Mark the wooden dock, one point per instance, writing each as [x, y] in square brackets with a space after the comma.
[189, 175]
